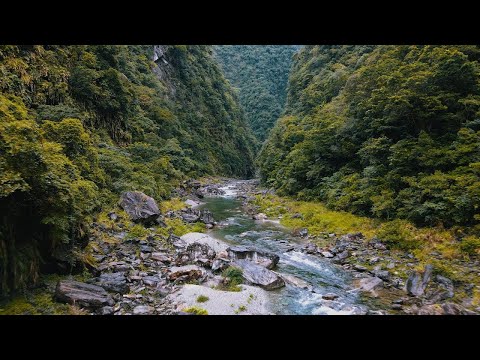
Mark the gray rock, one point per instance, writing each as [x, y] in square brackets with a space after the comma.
[375, 312]
[115, 282]
[303, 232]
[370, 284]
[85, 295]
[417, 282]
[360, 268]
[311, 248]
[445, 282]
[113, 216]
[258, 275]
[140, 207]
[158, 256]
[433, 309]
[220, 264]
[143, 310]
[329, 296]
[260, 216]
[398, 283]
[197, 252]
[327, 254]
[146, 248]
[190, 215]
[176, 241]
[201, 238]
[341, 257]
[396, 307]
[162, 291]
[190, 202]
[382, 274]
[374, 260]
[150, 280]
[380, 246]
[206, 217]
[263, 258]
[106, 310]
[295, 281]
[188, 272]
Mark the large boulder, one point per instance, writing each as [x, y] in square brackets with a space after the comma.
[140, 207]
[84, 295]
[265, 259]
[258, 275]
[417, 282]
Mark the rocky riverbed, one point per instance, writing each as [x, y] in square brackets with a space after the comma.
[145, 269]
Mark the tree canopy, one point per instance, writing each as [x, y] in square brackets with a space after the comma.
[260, 74]
[383, 131]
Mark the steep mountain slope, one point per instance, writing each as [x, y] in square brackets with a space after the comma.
[80, 124]
[384, 131]
[260, 72]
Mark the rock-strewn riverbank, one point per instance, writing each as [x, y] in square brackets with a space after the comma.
[155, 274]
[394, 280]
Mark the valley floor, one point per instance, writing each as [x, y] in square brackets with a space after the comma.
[134, 269]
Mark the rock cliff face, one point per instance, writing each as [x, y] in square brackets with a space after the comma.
[162, 68]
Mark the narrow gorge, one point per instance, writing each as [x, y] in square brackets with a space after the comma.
[239, 180]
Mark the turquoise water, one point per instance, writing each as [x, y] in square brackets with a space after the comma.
[238, 228]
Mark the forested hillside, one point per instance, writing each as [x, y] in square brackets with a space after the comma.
[384, 131]
[260, 72]
[81, 124]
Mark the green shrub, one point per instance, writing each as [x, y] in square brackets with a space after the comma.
[137, 231]
[196, 310]
[470, 245]
[202, 299]
[398, 234]
[234, 277]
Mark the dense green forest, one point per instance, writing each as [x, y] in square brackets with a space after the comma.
[260, 73]
[81, 124]
[383, 131]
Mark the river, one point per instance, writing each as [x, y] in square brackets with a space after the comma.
[238, 228]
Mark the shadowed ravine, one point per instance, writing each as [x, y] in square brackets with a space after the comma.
[324, 277]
